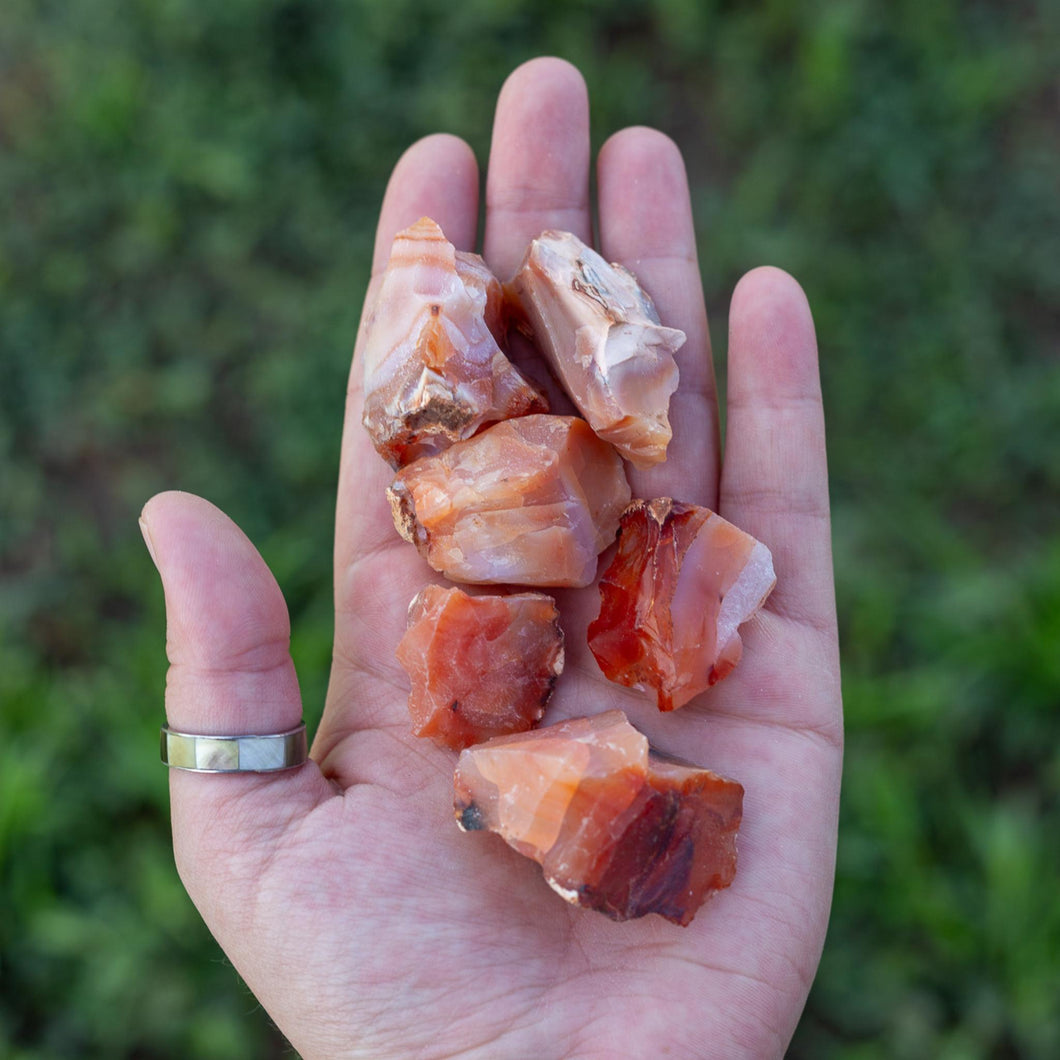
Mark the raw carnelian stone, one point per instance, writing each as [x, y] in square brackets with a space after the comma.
[480, 666]
[433, 370]
[530, 501]
[672, 599]
[600, 332]
[615, 826]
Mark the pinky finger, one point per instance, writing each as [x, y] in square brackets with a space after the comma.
[774, 480]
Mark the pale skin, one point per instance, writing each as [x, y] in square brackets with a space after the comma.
[343, 892]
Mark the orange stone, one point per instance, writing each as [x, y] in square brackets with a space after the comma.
[530, 501]
[434, 372]
[480, 666]
[615, 826]
[671, 601]
[601, 334]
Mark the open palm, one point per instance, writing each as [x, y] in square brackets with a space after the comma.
[366, 923]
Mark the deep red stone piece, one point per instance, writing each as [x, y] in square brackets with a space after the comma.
[480, 666]
[615, 827]
[672, 599]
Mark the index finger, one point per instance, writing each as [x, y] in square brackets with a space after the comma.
[436, 177]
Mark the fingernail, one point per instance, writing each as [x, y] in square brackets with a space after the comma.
[147, 540]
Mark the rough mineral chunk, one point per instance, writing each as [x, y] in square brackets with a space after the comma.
[614, 826]
[672, 599]
[601, 333]
[480, 666]
[433, 370]
[531, 501]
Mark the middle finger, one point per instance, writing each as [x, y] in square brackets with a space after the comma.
[538, 173]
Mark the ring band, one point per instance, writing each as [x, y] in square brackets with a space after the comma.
[234, 754]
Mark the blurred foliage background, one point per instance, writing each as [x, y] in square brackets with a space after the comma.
[187, 202]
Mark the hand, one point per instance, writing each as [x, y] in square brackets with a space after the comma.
[364, 921]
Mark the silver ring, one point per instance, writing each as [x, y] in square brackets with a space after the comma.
[234, 754]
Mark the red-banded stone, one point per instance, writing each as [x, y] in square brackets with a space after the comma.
[673, 597]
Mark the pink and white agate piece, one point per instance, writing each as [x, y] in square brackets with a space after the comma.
[601, 334]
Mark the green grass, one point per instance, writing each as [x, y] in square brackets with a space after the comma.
[187, 201]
